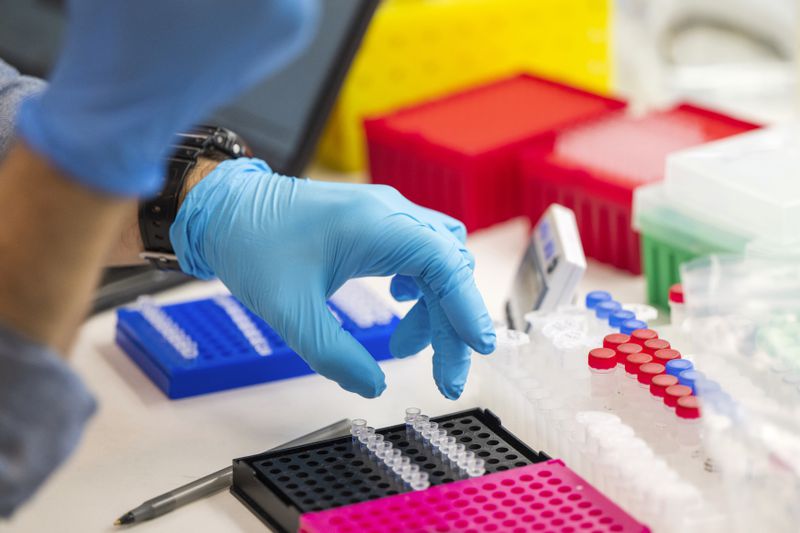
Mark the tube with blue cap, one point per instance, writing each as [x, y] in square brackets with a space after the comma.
[632, 325]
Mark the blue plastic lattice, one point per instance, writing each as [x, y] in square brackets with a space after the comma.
[225, 358]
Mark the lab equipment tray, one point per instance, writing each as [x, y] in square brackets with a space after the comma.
[279, 487]
[225, 358]
[458, 154]
[540, 497]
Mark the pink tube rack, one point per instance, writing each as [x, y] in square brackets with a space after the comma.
[540, 497]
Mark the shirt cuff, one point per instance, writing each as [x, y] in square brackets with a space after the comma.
[44, 407]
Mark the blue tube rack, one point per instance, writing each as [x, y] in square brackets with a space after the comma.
[225, 359]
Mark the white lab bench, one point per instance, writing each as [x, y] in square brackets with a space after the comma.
[141, 444]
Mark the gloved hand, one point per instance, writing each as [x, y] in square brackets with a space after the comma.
[133, 73]
[284, 245]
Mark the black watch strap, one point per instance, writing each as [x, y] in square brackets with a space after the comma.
[156, 215]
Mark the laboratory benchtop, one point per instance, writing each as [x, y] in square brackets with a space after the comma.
[140, 443]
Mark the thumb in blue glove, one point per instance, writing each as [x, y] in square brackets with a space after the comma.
[284, 245]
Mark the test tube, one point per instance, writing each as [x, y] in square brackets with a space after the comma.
[666, 355]
[419, 421]
[689, 377]
[595, 297]
[651, 346]
[677, 312]
[411, 414]
[357, 425]
[602, 364]
[676, 366]
[642, 335]
[365, 434]
[618, 318]
[168, 328]
[632, 325]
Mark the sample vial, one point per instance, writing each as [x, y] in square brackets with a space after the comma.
[634, 361]
[642, 335]
[613, 340]
[603, 383]
[647, 372]
[689, 377]
[676, 366]
[596, 297]
[651, 346]
[604, 310]
[411, 414]
[365, 434]
[659, 385]
[626, 349]
[632, 325]
[673, 393]
[357, 425]
[666, 355]
[677, 309]
[618, 318]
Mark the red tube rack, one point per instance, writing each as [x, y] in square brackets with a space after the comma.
[459, 154]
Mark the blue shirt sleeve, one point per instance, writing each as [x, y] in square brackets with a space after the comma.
[44, 407]
[13, 89]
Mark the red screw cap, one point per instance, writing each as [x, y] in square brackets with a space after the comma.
[666, 355]
[602, 359]
[613, 340]
[640, 336]
[671, 394]
[626, 349]
[676, 294]
[634, 361]
[688, 407]
[659, 384]
[648, 371]
[653, 345]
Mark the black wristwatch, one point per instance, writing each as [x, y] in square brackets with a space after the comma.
[156, 215]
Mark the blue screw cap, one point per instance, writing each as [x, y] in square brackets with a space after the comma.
[632, 325]
[706, 387]
[595, 297]
[618, 318]
[676, 366]
[690, 378]
[605, 309]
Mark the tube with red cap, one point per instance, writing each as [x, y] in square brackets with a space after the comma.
[602, 364]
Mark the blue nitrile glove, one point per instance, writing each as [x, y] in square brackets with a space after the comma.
[134, 72]
[284, 245]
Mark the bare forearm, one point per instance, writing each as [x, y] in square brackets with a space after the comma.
[53, 241]
[128, 245]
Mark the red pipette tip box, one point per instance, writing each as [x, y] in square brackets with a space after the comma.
[541, 497]
[593, 168]
[459, 154]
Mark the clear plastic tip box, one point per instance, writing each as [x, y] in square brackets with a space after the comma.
[459, 154]
[215, 344]
[594, 167]
[723, 197]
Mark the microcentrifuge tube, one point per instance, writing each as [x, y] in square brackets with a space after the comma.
[411, 414]
[357, 425]
[419, 422]
[365, 434]
[382, 449]
[374, 441]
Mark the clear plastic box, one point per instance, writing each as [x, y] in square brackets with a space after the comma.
[749, 184]
[722, 197]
